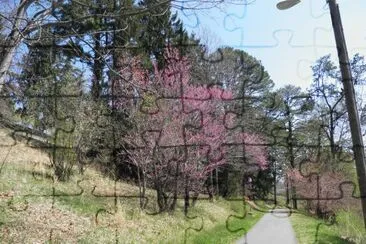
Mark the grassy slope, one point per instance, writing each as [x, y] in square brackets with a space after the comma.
[311, 230]
[351, 226]
[348, 229]
[34, 208]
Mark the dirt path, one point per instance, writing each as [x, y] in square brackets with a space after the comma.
[274, 228]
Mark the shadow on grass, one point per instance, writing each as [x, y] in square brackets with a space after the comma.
[328, 238]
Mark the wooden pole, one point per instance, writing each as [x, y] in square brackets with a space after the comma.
[349, 93]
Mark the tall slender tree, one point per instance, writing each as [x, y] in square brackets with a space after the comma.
[289, 106]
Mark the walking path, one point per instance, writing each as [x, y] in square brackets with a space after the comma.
[273, 228]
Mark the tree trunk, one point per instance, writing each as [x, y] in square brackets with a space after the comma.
[161, 200]
[217, 182]
[175, 195]
[97, 68]
[13, 40]
[333, 148]
[211, 186]
[290, 141]
[294, 199]
[243, 183]
[275, 182]
[186, 196]
[210, 195]
[287, 192]
[195, 198]
[142, 184]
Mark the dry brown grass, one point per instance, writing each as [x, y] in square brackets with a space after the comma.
[15, 151]
[42, 222]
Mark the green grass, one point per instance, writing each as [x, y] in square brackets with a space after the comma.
[350, 225]
[234, 228]
[312, 230]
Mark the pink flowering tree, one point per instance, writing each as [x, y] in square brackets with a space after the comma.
[323, 191]
[180, 130]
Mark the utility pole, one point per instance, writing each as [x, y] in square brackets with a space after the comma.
[349, 93]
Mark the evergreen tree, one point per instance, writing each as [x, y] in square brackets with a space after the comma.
[50, 85]
[90, 36]
[159, 28]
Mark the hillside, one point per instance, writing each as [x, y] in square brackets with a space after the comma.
[35, 208]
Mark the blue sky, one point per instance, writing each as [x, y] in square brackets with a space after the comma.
[287, 42]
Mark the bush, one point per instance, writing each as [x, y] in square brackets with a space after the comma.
[327, 184]
[63, 155]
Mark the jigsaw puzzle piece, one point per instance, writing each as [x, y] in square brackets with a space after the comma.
[197, 226]
[322, 191]
[117, 216]
[234, 222]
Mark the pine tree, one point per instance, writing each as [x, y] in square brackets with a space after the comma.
[159, 28]
[47, 80]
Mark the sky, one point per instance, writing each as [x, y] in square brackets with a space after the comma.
[287, 42]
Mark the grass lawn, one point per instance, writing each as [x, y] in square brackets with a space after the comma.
[312, 230]
[234, 228]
